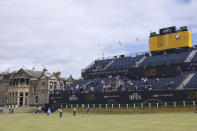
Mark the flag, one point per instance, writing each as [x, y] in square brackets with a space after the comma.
[119, 43]
[137, 39]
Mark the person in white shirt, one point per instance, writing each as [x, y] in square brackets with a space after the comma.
[10, 109]
[74, 111]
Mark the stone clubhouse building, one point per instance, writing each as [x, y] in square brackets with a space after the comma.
[28, 87]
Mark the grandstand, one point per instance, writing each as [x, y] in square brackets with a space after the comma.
[143, 61]
[171, 70]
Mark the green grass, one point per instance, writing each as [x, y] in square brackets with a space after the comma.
[99, 122]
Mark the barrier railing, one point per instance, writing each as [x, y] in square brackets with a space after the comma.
[135, 105]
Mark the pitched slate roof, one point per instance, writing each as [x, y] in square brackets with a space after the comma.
[6, 76]
[33, 73]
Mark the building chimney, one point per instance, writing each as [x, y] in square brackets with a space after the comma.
[58, 74]
[45, 71]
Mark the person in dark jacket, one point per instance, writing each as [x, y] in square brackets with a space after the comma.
[88, 111]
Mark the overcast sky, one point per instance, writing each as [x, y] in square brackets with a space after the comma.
[67, 35]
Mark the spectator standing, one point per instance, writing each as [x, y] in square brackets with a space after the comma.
[60, 110]
[74, 111]
[184, 75]
[88, 111]
[49, 111]
[142, 79]
[12, 109]
[136, 87]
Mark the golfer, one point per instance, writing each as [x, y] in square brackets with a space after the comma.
[74, 111]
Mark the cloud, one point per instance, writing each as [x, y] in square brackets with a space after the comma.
[67, 35]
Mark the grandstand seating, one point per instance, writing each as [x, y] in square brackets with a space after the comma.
[127, 84]
[125, 62]
[115, 63]
[165, 59]
[98, 65]
[163, 82]
[122, 83]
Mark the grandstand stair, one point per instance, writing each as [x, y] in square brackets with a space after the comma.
[185, 81]
[140, 61]
[89, 82]
[190, 56]
[109, 64]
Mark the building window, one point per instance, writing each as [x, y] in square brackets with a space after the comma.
[51, 85]
[14, 82]
[21, 81]
[21, 94]
[27, 81]
[55, 85]
[10, 82]
[36, 97]
[34, 88]
[17, 82]
[61, 86]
